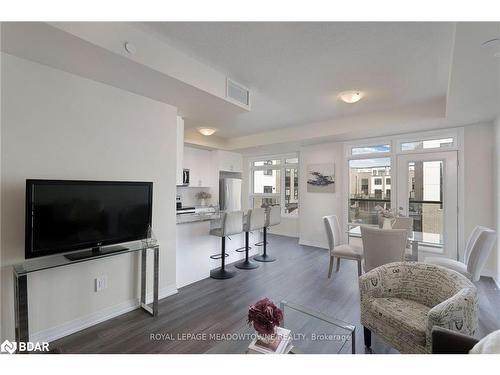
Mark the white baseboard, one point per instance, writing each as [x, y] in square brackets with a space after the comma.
[497, 281]
[65, 329]
[312, 243]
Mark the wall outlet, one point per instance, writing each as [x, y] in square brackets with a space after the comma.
[101, 283]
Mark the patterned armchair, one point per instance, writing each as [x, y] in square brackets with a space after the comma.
[401, 302]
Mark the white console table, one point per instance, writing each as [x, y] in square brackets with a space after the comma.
[22, 270]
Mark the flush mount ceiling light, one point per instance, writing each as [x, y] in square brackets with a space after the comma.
[492, 45]
[207, 131]
[350, 97]
[130, 48]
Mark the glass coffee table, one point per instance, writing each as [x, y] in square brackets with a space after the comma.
[312, 333]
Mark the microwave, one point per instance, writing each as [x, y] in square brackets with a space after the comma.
[185, 177]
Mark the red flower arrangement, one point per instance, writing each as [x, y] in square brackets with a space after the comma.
[265, 316]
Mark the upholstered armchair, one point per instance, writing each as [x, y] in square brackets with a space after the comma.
[401, 302]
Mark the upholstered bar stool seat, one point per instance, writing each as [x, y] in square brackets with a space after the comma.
[254, 220]
[230, 223]
[273, 217]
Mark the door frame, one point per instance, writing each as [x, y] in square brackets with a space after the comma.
[395, 141]
[450, 196]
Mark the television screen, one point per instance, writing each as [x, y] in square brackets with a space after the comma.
[70, 215]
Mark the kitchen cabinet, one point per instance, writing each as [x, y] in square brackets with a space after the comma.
[198, 162]
[180, 150]
[228, 161]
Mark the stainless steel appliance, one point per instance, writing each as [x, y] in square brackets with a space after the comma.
[230, 194]
[185, 176]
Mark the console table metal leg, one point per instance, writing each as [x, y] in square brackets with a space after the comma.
[21, 308]
[155, 280]
[144, 260]
[153, 310]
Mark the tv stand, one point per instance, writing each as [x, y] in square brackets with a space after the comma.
[95, 252]
[21, 272]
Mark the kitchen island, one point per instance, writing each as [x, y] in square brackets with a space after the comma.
[195, 245]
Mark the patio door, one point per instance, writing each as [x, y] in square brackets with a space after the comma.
[427, 192]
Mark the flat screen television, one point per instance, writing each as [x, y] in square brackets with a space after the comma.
[64, 215]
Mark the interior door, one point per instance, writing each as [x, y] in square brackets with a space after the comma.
[427, 191]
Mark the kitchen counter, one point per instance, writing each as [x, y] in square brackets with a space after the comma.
[196, 217]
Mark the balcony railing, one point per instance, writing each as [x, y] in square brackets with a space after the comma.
[427, 215]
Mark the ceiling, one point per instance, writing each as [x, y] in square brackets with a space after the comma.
[296, 70]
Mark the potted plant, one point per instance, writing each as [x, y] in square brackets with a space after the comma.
[202, 196]
[265, 317]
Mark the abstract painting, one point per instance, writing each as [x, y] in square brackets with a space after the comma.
[321, 178]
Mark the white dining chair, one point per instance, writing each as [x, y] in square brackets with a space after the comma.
[477, 251]
[404, 222]
[337, 248]
[382, 246]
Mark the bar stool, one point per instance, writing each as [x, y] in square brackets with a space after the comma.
[255, 220]
[273, 217]
[231, 223]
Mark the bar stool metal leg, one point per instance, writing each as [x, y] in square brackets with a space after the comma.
[246, 264]
[264, 257]
[222, 273]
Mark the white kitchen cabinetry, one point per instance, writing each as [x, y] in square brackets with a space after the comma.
[228, 161]
[180, 150]
[198, 162]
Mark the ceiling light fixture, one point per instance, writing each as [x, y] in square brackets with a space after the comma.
[207, 131]
[130, 48]
[350, 96]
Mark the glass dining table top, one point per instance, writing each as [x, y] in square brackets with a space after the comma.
[425, 238]
[311, 333]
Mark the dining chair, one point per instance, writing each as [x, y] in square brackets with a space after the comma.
[337, 248]
[477, 251]
[382, 246]
[404, 222]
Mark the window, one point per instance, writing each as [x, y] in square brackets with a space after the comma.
[372, 149]
[387, 181]
[266, 162]
[268, 189]
[269, 179]
[291, 191]
[364, 198]
[427, 144]
[275, 181]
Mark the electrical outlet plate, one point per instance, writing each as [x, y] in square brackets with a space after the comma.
[101, 283]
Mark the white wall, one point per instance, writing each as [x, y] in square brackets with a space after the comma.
[313, 206]
[61, 126]
[497, 194]
[479, 183]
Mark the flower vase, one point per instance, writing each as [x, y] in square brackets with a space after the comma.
[266, 338]
[202, 202]
[387, 224]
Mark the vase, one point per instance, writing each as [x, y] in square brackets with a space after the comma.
[266, 337]
[387, 224]
[202, 202]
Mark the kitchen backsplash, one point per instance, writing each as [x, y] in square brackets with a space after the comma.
[188, 196]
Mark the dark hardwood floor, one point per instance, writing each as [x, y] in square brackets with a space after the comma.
[220, 306]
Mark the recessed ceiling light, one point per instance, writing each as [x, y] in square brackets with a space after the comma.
[207, 131]
[492, 45]
[350, 97]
